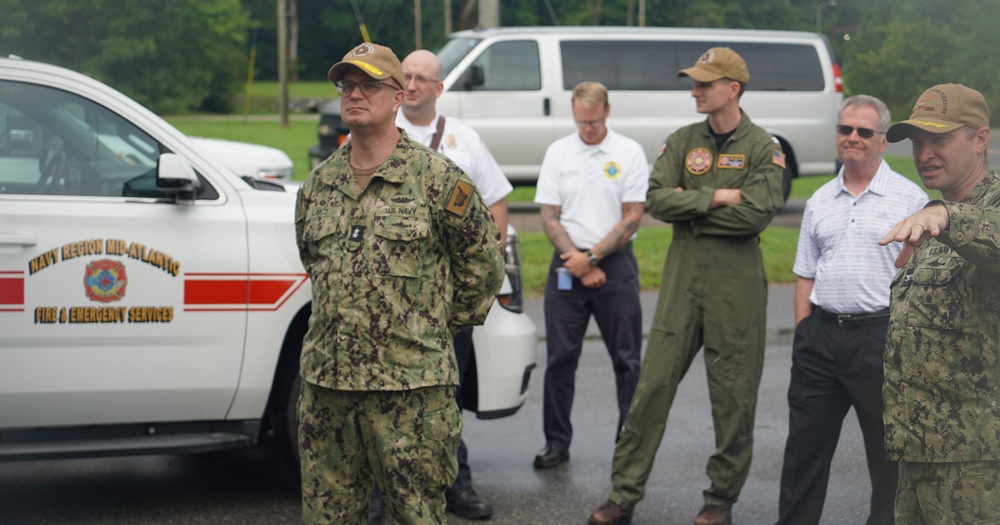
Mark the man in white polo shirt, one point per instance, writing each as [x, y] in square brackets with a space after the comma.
[418, 117]
[592, 189]
[842, 315]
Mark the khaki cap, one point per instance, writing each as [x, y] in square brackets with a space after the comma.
[716, 63]
[372, 59]
[941, 109]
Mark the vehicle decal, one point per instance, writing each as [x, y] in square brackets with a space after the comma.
[104, 281]
[12, 291]
[226, 292]
[137, 251]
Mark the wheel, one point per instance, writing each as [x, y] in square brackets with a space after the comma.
[284, 411]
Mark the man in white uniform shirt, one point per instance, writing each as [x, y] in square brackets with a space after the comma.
[592, 191]
[418, 117]
[842, 316]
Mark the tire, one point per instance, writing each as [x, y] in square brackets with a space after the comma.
[284, 412]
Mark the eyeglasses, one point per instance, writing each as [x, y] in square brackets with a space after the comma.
[591, 123]
[368, 87]
[864, 133]
[420, 79]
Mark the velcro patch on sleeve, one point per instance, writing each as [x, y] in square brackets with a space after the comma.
[778, 158]
[461, 194]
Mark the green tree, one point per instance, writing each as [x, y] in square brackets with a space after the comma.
[901, 48]
[169, 56]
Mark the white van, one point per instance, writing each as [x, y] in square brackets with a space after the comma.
[513, 85]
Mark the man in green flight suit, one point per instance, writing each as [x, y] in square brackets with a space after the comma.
[402, 254]
[719, 183]
[942, 355]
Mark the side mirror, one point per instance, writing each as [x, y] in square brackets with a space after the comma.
[176, 177]
[472, 78]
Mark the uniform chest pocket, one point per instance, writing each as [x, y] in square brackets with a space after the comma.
[937, 298]
[400, 242]
[322, 237]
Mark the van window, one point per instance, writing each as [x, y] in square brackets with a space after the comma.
[510, 66]
[653, 65]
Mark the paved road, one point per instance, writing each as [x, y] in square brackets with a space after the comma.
[250, 487]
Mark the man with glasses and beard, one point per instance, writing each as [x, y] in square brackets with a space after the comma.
[402, 254]
[842, 314]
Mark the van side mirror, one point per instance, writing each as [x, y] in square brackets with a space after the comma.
[471, 78]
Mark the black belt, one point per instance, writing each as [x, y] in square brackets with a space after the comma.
[737, 239]
[852, 320]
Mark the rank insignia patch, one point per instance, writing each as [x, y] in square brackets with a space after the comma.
[698, 161]
[459, 199]
[357, 233]
[104, 281]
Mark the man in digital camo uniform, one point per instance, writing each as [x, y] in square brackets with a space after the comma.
[402, 254]
[419, 118]
[942, 358]
[719, 183]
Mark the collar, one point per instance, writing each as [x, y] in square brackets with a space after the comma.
[580, 146]
[879, 184]
[741, 129]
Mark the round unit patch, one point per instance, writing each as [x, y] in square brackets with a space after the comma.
[698, 161]
[612, 170]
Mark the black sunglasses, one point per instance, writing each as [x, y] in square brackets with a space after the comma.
[864, 133]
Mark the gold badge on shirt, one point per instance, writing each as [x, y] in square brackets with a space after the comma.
[612, 170]
[450, 141]
[698, 161]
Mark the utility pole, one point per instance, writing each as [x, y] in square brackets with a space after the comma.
[489, 13]
[283, 61]
[642, 13]
[447, 17]
[417, 36]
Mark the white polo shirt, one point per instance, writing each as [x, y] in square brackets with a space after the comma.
[838, 241]
[464, 147]
[590, 182]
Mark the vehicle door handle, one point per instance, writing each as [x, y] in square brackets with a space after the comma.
[545, 106]
[18, 239]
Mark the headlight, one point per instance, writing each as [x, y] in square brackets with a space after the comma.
[275, 173]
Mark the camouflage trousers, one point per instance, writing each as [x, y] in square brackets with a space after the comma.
[961, 493]
[406, 440]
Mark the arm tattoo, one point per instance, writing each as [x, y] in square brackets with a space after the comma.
[619, 236]
[554, 229]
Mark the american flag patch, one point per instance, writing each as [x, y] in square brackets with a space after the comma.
[778, 158]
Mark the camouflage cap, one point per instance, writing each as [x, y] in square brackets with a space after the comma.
[941, 109]
[372, 59]
[716, 63]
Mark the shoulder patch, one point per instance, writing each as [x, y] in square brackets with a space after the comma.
[778, 158]
[459, 199]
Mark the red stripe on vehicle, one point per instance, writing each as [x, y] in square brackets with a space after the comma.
[11, 291]
[232, 292]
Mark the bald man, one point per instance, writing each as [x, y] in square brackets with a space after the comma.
[419, 118]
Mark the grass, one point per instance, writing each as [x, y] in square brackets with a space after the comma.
[650, 246]
[295, 140]
[777, 244]
[310, 89]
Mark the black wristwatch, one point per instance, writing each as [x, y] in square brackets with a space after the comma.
[592, 259]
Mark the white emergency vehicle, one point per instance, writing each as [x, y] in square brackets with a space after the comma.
[152, 300]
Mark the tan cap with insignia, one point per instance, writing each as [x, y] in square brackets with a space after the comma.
[716, 63]
[941, 109]
[372, 59]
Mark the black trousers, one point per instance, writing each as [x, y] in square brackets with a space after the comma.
[834, 368]
[463, 354]
[618, 313]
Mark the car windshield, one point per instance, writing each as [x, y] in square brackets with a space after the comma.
[454, 51]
